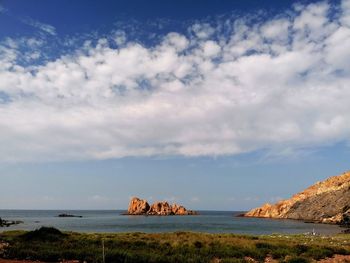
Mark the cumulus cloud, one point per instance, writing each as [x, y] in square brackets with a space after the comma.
[278, 84]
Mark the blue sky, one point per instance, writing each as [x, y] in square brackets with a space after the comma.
[223, 105]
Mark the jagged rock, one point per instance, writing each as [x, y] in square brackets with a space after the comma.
[325, 202]
[161, 209]
[138, 206]
[7, 223]
[141, 207]
[179, 210]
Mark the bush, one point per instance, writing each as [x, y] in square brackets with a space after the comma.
[44, 234]
[264, 245]
[280, 252]
[198, 244]
[300, 249]
[319, 253]
[115, 256]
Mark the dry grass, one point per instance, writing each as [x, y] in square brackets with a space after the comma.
[172, 247]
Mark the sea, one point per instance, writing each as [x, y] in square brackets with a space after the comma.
[113, 221]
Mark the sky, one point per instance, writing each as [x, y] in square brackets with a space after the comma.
[223, 105]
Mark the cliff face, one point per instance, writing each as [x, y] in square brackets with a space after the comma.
[326, 202]
[138, 206]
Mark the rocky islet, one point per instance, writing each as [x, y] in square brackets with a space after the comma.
[139, 206]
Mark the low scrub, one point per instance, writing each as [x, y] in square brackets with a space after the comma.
[51, 245]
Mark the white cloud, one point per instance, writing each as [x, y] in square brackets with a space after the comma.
[281, 85]
[345, 19]
[202, 30]
[210, 49]
[39, 25]
[120, 37]
[276, 29]
[179, 42]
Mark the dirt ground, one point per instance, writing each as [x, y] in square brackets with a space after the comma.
[336, 259]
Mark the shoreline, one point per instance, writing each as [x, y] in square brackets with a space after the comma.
[346, 228]
[205, 222]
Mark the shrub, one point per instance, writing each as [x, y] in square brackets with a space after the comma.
[280, 252]
[44, 234]
[299, 249]
[262, 245]
[319, 252]
[198, 244]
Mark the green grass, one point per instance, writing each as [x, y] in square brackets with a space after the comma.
[51, 245]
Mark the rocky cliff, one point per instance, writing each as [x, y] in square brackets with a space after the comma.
[138, 206]
[326, 202]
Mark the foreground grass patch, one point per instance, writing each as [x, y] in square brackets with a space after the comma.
[51, 245]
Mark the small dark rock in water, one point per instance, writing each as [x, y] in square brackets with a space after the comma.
[240, 215]
[8, 223]
[68, 215]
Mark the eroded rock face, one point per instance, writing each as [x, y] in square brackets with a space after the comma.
[180, 210]
[141, 207]
[138, 206]
[161, 209]
[326, 202]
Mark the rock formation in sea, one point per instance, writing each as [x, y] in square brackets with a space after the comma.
[68, 215]
[7, 223]
[139, 206]
[325, 202]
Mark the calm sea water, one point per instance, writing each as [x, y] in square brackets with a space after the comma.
[113, 221]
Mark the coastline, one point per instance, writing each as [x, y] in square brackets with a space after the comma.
[111, 221]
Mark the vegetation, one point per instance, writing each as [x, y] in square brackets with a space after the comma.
[49, 244]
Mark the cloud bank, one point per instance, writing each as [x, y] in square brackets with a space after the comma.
[234, 87]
